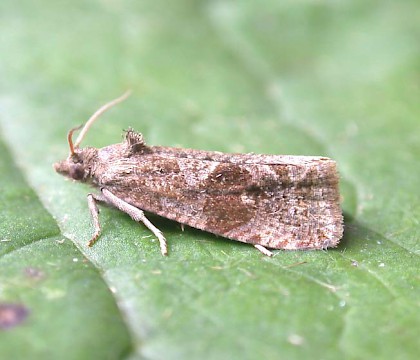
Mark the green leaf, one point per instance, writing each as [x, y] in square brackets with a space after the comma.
[338, 79]
[68, 312]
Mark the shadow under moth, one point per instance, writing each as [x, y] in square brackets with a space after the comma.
[269, 201]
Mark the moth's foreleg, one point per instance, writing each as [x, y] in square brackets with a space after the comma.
[94, 212]
[264, 250]
[137, 215]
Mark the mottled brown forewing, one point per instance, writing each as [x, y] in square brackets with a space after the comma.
[281, 202]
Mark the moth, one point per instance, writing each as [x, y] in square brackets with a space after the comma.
[269, 201]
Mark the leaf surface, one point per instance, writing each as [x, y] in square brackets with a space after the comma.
[314, 78]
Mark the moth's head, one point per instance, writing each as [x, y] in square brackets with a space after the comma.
[80, 163]
[78, 166]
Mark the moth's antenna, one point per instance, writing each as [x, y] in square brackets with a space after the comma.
[70, 138]
[96, 115]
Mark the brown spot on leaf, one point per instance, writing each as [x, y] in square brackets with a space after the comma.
[34, 273]
[12, 315]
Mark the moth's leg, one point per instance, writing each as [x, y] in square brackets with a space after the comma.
[94, 212]
[137, 215]
[264, 250]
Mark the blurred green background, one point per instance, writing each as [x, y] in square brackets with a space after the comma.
[333, 78]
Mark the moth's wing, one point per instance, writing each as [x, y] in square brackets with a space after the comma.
[279, 205]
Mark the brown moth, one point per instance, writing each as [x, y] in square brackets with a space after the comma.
[269, 201]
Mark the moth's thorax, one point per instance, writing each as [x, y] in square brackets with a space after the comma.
[111, 153]
[79, 166]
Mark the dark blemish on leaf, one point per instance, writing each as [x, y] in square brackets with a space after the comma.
[34, 273]
[12, 315]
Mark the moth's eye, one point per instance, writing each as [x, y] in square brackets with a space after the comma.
[75, 158]
[77, 172]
